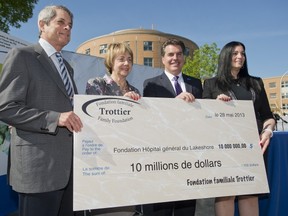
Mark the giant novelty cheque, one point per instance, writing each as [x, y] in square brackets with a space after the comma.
[157, 150]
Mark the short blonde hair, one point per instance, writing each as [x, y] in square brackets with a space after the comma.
[115, 49]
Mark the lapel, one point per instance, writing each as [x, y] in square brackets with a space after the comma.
[188, 83]
[50, 68]
[166, 83]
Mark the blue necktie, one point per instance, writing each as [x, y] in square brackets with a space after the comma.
[64, 76]
[177, 86]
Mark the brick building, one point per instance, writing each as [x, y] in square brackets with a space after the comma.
[145, 44]
[277, 93]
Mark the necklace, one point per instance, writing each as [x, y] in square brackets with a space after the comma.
[236, 82]
[124, 88]
[121, 83]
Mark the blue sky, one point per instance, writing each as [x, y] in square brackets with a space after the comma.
[262, 25]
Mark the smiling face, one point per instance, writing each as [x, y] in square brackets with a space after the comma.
[173, 59]
[122, 65]
[238, 58]
[58, 31]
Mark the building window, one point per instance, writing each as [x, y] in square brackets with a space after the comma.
[103, 49]
[148, 62]
[87, 51]
[147, 46]
[285, 106]
[272, 95]
[273, 106]
[284, 84]
[285, 95]
[272, 85]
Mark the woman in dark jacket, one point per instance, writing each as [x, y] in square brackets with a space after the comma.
[233, 82]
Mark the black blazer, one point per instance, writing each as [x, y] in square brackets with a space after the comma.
[160, 86]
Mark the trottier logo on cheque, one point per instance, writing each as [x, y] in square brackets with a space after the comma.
[110, 109]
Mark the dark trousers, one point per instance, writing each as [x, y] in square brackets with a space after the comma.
[54, 203]
[46, 204]
[179, 208]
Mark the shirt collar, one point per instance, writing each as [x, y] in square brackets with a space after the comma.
[48, 48]
[108, 79]
[171, 76]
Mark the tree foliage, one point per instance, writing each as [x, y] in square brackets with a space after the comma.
[204, 62]
[12, 12]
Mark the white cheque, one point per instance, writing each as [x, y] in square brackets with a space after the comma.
[157, 150]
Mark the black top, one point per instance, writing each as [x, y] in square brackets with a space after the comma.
[240, 92]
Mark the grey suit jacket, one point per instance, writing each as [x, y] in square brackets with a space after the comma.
[160, 86]
[32, 96]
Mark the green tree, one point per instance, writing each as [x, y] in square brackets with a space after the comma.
[204, 62]
[12, 12]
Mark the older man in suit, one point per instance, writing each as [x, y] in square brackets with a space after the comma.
[172, 84]
[38, 105]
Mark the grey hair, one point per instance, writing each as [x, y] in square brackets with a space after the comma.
[49, 12]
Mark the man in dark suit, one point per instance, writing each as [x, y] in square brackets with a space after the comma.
[172, 84]
[163, 85]
[35, 102]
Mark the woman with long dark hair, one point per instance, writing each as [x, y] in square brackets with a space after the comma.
[233, 82]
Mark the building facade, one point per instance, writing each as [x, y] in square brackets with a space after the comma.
[145, 44]
[277, 93]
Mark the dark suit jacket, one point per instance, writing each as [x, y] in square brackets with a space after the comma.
[32, 96]
[160, 86]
